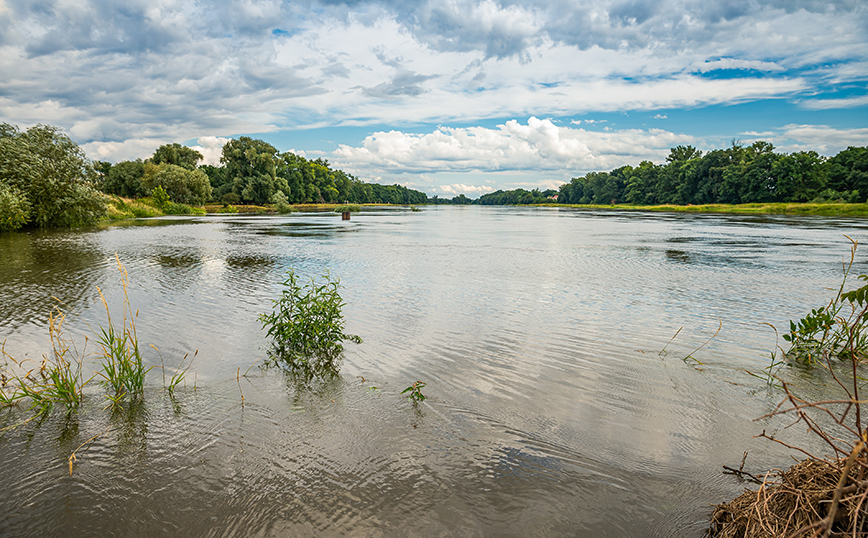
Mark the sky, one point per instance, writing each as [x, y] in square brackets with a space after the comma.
[444, 96]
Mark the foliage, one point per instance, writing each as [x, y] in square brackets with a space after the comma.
[514, 197]
[837, 330]
[57, 380]
[735, 175]
[280, 203]
[415, 391]
[307, 327]
[250, 169]
[160, 197]
[52, 173]
[123, 370]
[353, 208]
[119, 209]
[181, 185]
[14, 208]
[231, 198]
[177, 155]
[125, 179]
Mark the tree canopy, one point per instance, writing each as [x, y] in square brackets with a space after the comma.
[178, 155]
[45, 180]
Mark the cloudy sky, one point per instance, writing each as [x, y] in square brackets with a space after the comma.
[445, 96]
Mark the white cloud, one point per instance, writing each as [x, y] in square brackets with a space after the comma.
[660, 117]
[468, 190]
[821, 138]
[134, 148]
[828, 104]
[734, 63]
[538, 145]
[211, 148]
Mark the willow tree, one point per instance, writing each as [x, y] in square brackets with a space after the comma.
[47, 179]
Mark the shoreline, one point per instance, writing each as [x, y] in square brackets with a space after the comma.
[776, 208]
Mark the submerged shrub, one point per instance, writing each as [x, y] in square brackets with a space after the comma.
[307, 327]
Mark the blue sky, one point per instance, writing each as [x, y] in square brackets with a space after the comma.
[445, 96]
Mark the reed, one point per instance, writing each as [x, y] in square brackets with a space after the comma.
[123, 370]
[57, 379]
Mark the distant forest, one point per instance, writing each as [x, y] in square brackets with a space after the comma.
[736, 175]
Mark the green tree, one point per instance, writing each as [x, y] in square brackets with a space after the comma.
[178, 155]
[848, 171]
[52, 174]
[125, 179]
[251, 167]
[183, 186]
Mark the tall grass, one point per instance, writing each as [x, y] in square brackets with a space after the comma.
[57, 379]
[123, 370]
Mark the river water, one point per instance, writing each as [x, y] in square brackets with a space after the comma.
[550, 410]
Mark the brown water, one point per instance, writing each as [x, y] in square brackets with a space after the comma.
[550, 411]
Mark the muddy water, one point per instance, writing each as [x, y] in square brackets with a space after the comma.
[550, 410]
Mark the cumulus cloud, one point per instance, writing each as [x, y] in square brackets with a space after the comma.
[537, 145]
[117, 74]
[131, 149]
[211, 148]
[822, 138]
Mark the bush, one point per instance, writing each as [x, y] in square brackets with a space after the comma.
[14, 208]
[307, 327]
[231, 198]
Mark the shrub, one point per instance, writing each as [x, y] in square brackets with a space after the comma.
[307, 327]
[14, 208]
[280, 202]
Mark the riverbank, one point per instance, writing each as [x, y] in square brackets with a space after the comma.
[823, 209]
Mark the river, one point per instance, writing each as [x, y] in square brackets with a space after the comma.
[551, 410]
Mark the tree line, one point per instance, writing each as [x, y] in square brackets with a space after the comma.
[46, 180]
[252, 172]
[737, 175]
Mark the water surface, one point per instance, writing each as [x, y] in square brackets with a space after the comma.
[550, 410]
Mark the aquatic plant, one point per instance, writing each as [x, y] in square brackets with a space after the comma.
[123, 370]
[56, 380]
[348, 208]
[415, 391]
[306, 327]
[836, 330]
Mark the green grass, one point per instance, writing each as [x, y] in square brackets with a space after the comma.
[119, 208]
[808, 208]
[123, 370]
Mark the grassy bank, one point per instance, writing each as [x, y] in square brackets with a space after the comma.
[119, 208]
[827, 209]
